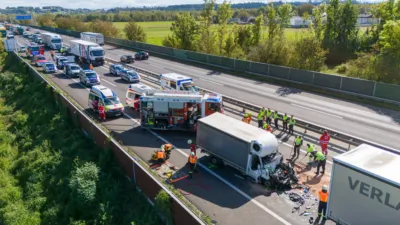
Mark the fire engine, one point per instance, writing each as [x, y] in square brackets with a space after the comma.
[177, 110]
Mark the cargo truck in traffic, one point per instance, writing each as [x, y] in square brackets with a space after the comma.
[87, 52]
[52, 41]
[365, 187]
[93, 37]
[248, 149]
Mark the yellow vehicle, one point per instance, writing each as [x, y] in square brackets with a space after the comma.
[3, 32]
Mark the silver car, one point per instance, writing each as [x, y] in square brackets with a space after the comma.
[116, 69]
[130, 76]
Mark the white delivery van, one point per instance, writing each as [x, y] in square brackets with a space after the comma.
[134, 92]
[178, 82]
[93, 37]
[112, 104]
[53, 41]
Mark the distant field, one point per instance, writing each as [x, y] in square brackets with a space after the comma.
[157, 31]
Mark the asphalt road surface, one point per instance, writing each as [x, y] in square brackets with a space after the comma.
[371, 123]
[218, 192]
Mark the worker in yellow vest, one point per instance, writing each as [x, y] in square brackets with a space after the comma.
[260, 117]
[297, 144]
[276, 119]
[247, 118]
[285, 120]
[268, 115]
[292, 122]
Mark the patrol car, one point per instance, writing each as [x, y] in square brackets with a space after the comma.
[72, 69]
[130, 75]
[89, 77]
[112, 104]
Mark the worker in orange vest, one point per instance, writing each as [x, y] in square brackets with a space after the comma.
[247, 118]
[192, 163]
[102, 113]
[160, 156]
[324, 141]
[167, 148]
[52, 54]
[323, 202]
[267, 127]
[91, 66]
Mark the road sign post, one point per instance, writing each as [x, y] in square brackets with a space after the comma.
[23, 17]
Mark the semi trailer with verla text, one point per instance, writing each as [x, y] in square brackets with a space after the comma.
[365, 187]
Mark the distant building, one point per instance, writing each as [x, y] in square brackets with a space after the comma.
[367, 19]
[297, 22]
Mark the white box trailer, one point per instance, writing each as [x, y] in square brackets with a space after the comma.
[93, 37]
[87, 51]
[365, 187]
[53, 41]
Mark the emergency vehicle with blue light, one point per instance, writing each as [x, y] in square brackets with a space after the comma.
[112, 104]
[174, 81]
[134, 92]
[177, 110]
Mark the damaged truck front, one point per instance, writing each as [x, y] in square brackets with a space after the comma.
[246, 148]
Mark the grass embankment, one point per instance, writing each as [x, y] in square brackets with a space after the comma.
[50, 173]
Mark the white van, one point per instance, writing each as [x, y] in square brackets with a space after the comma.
[134, 92]
[112, 104]
[178, 82]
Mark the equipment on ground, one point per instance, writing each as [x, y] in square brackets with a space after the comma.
[172, 110]
[365, 187]
[87, 52]
[246, 148]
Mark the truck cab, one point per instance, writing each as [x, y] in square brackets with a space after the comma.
[133, 94]
[178, 82]
[112, 104]
[61, 61]
[177, 110]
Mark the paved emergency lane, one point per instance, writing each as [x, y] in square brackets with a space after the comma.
[371, 123]
[204, 191]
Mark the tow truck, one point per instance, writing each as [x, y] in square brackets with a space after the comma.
[176, 110]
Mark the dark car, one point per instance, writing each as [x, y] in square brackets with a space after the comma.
[28, 29]
[116, 69]
[141, 55]
[127, 59]
[131, 76]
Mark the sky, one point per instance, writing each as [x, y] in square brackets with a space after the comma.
[106, 4]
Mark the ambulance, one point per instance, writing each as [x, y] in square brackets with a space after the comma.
[174, 81]
[172, 110]
[134, 92]
[112, 104]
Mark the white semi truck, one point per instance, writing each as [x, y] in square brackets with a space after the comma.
[93, 37]
[365, 187]
[53, 41]
[88, 52]
[248, 149]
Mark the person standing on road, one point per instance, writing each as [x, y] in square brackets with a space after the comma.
[276, 119]
[292, 122]
[268, 116]
[192, 146]
[91, 66]
[285, 122]
[260, 117]
[321, 159]
[267, 127]
[52, 54]
[324, 141]
[298, 142]
[192, 163]
[102, 114]
[323, 202]
[246, 118]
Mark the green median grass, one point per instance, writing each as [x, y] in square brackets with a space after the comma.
[49, 172]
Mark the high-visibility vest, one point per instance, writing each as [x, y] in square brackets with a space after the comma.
[101, 109]
[269, 113]
[324, 139]
[323, 196]
[192, 159]
[167, 146]
[276, 115]
[285, 118]
[246, 115]
[320, 156]
[298, 141]
[292, 121]
[310, 149]
[261, 114]
[160, 155]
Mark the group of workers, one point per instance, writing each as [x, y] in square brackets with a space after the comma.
[265, 117]
[315, 156]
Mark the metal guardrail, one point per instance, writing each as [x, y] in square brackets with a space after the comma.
[346, 138]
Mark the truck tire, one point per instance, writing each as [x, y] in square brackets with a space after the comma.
[216, 161]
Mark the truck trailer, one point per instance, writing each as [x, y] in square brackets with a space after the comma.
[53, 41]
[93, 37]
[365, 187]
[88, 52]
[248, 149]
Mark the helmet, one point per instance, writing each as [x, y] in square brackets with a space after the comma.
[324, 187]
[189, 141]
[192, 154]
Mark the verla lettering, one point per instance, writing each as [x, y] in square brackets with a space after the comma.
[374, 193]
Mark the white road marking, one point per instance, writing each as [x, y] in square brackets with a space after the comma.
[156, 65]
[104, 67]
[300, 106]
[211, 81]
[109, 82]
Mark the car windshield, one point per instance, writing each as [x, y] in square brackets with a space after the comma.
[128, 56]
[63, 60]
[91, 75]
[40, 58]
[132, 74]
[111, 101]
[50, 65]
[56, 41]
[97, 52]
[74, 68]
[190, 87]
[119, 67]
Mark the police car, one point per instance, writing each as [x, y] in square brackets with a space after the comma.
[89, 77]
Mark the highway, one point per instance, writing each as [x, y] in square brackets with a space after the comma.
[220, 193]
[368, 122]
